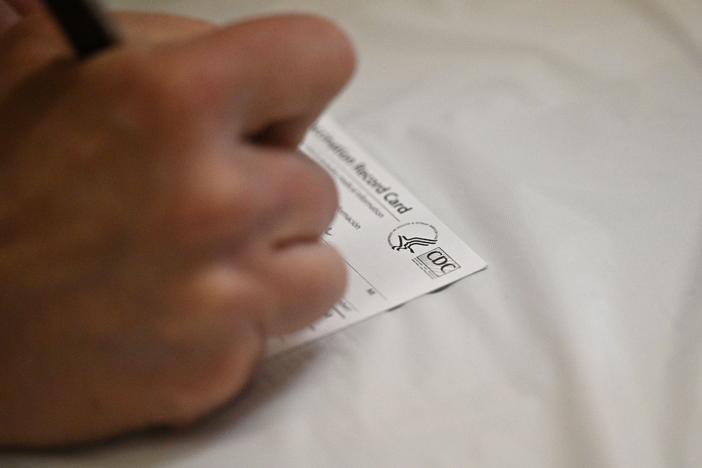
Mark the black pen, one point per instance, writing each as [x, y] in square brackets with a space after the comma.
[85, 25]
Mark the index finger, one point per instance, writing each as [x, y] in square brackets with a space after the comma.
[8, 16]
[270, 77]
[24, 6]
[37, 43]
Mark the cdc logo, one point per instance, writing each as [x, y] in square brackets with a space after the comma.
[436, 263]
[413, 237]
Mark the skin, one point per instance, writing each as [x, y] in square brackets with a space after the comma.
[156, 221]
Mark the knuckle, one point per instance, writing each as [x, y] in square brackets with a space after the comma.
[222, 376]
[322, 52]
[327, 198]
[214, 350]
[336, 275]
[309, 289]
[152, 88]
[307, 184]
[208, 204]
[320, 29]
[180, 411]
[161, 28]
[327, 280]
[331, 43]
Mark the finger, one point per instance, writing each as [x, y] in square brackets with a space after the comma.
[272, 77]
[160, 29]
[308, 279]
[218, 311]
[304, 196]
[217, 198]
[8, 16]
[33, 44]
[37, 42]
[279, 197]
[25, 7]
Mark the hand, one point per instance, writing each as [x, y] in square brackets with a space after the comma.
[156, 220]
[11, 11]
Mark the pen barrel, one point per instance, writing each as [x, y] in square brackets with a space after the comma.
[85, 25]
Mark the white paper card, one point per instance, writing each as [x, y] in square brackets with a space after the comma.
[395, 248]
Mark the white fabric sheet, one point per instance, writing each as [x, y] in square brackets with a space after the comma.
[563, 141]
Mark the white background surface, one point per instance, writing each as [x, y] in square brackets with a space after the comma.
[563, 141]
